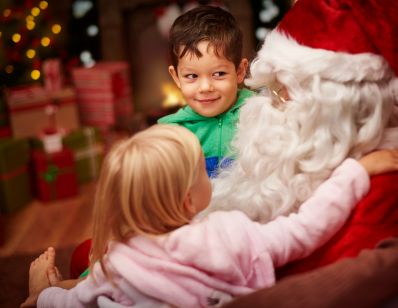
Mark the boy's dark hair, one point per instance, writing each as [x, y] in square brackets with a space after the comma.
[206, 23]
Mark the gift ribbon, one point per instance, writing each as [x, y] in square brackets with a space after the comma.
[91, 152]
[13, 173]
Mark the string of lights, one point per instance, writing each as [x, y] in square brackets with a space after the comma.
[28, 35]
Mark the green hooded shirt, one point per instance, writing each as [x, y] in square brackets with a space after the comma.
[214, 133]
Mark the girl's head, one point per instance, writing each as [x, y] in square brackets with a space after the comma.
[151, 183]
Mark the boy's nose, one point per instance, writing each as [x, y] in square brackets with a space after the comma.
[206, 85]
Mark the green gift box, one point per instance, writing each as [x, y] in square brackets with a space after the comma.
[87, 147]
[15, 189]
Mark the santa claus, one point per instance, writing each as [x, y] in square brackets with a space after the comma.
[329, 90]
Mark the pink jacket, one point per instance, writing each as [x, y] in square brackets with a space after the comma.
[208, 262]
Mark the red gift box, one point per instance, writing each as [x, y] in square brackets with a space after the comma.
[54, 175]
[104, 94]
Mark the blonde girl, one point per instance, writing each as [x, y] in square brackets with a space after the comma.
[144, 188]
[149, 250]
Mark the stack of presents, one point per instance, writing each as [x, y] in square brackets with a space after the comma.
[52, 135]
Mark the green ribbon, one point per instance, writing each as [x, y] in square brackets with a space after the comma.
[51, 174]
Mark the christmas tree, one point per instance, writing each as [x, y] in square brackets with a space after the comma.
[28, 35]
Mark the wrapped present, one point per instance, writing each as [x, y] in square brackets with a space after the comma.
[15, 189]
[54, 175]
[104, 94]
[27, 107]
[88, 149]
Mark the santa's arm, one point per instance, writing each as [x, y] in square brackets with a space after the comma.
[322, 215]
[319, 218]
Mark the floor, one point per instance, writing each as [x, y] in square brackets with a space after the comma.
[25, 234]
[60, 224]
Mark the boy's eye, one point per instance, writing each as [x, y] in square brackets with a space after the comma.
[190, 76]
[219, 74]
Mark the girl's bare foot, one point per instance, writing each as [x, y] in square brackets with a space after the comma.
[38, 280]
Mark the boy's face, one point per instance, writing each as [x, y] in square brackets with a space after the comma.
[209, 84]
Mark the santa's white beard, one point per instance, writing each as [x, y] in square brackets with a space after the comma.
[283, 155]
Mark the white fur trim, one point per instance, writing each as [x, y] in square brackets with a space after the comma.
[281, 53]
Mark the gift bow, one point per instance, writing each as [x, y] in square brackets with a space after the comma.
[51, 174]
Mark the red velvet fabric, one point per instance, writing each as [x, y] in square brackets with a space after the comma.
[346, 26]
[80, 259]
[374, 218]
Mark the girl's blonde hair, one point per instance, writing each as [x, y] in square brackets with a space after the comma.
[142, 186]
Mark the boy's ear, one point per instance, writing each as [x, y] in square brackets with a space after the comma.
[174, 75]
[242, 69]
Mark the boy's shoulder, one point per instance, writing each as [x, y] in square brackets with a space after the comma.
[243, 94]
[182, 115]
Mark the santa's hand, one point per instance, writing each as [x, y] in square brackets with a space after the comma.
[380, 161]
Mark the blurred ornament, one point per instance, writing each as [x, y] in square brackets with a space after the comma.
[81, 8]
[166, 17]
[92, 30]
[87, 59]
[269, 12]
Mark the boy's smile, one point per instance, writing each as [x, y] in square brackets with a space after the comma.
[208, 83]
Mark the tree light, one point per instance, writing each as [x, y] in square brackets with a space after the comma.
[30, 53]
[43, 5]
[56, 28]
[16, 37]
[7, 12]
[45, 41]
[9, 69]
[35, 11]
[35, 74]
[30, 25]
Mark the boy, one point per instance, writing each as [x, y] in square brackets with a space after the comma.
[207, 66]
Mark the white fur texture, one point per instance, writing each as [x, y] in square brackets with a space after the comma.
[339, 106]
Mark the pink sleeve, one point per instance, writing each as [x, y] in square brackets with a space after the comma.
[319, 218]
[58, 297]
